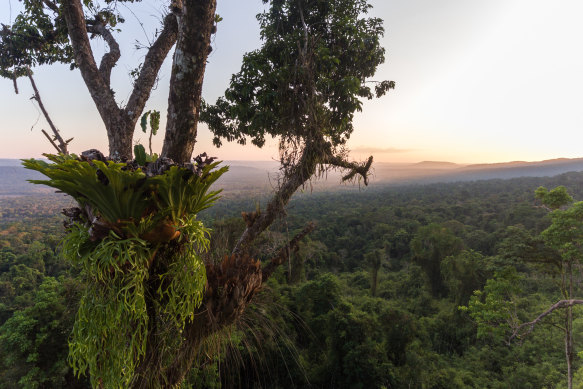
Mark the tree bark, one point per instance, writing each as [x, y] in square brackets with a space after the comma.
[569, 346]
[119, 127]
[195, 26]
[151, 67]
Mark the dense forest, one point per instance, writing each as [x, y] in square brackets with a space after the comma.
[397, 287]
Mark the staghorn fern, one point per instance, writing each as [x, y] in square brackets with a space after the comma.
[132, 206]
[118, 194]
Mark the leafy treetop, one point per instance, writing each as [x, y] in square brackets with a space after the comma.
[307, 77]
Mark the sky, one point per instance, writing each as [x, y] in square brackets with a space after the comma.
[476, 82]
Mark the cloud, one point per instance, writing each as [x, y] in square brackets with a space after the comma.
[379, 150]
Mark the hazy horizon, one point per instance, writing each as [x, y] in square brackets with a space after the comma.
[476, 82]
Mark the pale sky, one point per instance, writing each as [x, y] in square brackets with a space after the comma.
[477, 81]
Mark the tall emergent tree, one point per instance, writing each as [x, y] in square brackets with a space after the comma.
[302, 86]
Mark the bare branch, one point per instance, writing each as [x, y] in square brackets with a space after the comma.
[355, 168]
[62, 147]
[110, 58]
[52, 141]
[526, 328]
[149, 72]
[283, 254]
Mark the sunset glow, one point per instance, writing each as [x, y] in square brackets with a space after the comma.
[476, 82]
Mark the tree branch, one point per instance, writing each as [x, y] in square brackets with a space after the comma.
[149, 72]
[110, 58]
[51, 5]
[119, 128]
[51, 141]
[294, 177]
[355, 168]
[530, 325]
[283, 254]
[62, 147]
[75, 18]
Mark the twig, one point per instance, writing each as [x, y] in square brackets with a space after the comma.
[51, 140]
[62, 148]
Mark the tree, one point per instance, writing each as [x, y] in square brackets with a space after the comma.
[302, 86]
[374, 259]
[563, 251]
[565, 234]
[431, 245]
[34, 340]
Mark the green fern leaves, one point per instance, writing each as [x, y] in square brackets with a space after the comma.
[137, 240]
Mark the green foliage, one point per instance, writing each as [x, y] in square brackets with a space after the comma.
[146, 222]
[308, 76]
[179, 193]
[554, 199]
[140, 154]
[431, 245]
[33, 347]
[565, 234]
[464, 273]
[39, 35]
[494, 309]
[323, 329]
[181, 288]
[117, 193]
[154, 121]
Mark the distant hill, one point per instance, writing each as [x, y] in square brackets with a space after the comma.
[436, 165]
[261, 176]
[13, 180]
[431, 172]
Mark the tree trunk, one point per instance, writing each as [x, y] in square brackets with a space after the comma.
[119, 126]
[375, 274]
[195, 26]
[569, 346]
[120, 131]
[230, 288]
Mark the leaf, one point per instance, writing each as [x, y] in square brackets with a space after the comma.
[154, 121]
[140, 154]
[144, 122]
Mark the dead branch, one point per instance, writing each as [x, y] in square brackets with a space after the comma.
[526, 328]
[15, 83]
[355, 168]
[62, 147]
[51, 140]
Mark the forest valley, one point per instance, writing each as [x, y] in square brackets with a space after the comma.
[158, 283]
[396, 287]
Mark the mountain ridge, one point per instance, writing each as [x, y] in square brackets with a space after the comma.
[262, 175]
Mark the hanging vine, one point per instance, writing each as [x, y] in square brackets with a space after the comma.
[131, 217]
